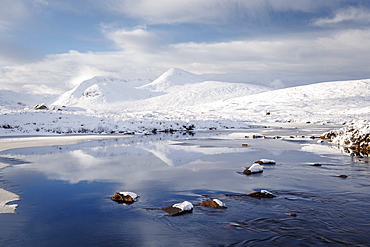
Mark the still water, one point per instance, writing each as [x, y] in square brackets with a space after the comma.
[65, 192]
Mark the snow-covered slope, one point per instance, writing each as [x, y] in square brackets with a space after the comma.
[94, 92]
[172, 77]
[316, 102]
[13, 100]
[179, 97]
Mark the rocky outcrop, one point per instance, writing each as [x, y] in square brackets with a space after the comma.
[354, 139]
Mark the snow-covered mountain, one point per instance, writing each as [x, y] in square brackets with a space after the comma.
[181, 100]
[174, 89]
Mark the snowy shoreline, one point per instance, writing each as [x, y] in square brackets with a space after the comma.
[7, 143]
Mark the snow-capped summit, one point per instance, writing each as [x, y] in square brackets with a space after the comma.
[173, 77]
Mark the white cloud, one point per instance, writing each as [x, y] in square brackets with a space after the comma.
[343, 53]
[351, 14]
[138, 39]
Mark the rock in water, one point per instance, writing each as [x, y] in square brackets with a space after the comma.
[342, 176]
[124, 197]
[255, 168]
[266, 161]
[215, 203]
[179, 208]
[262, 194]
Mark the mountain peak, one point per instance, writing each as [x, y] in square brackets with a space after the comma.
[173, 77]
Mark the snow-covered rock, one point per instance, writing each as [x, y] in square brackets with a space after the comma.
[262, 194]
[179, 208]
[266, 161]
[255, 168]
[215, 203]
[124, 197]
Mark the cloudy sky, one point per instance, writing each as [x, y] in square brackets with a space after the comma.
[52, 45]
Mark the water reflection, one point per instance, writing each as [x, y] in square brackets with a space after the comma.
[65, 193]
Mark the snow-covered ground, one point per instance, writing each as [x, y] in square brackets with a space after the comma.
[179, 100]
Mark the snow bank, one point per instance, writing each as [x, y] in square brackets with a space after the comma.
[6, 197]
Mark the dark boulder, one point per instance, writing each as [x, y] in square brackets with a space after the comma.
[261, 194]
[179, 208]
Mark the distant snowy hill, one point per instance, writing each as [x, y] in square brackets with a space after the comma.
[103, 90]
[172, 77]
[14, 100]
